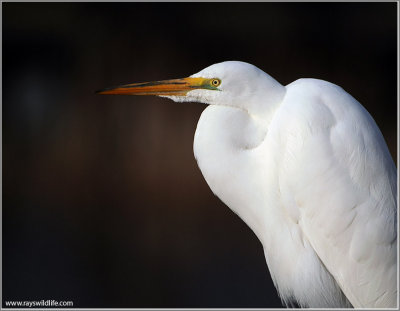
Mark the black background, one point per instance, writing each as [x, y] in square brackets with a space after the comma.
[103, 203]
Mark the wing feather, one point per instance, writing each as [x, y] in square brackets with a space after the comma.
[337, 168]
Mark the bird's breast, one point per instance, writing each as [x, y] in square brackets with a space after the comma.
[226, 147]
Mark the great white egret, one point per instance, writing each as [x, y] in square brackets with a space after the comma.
[308, 170]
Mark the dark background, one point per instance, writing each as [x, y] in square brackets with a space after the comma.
[103, 203]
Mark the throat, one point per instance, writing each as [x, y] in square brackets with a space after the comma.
[230, 129]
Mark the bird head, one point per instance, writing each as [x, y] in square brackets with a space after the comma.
[231, 83]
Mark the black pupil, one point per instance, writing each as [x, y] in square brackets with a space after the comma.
[215, 82]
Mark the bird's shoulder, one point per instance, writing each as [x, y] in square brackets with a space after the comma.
[319, 100]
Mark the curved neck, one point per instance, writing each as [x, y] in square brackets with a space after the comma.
[266, 98]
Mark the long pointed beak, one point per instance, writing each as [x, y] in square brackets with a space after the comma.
[177, 87]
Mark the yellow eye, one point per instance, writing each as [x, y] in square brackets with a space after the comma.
[215, 82]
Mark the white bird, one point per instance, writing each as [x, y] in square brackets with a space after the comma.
[307, 169]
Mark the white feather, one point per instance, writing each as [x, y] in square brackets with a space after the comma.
[306, 167]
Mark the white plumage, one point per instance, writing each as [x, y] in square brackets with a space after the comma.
[306, 167]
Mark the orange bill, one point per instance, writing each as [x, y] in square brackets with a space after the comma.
[177, 87]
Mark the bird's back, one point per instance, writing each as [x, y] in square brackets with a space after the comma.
[337, 169]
